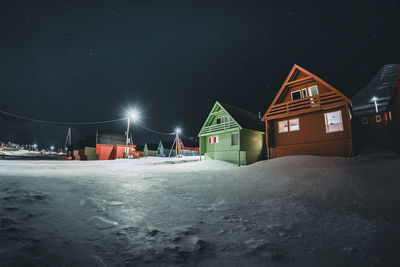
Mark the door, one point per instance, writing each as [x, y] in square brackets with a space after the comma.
[312, 91]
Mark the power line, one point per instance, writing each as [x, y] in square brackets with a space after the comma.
[58, 122]
[153, 131]
[79, 123]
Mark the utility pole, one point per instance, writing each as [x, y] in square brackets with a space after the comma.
[68, 139]
[127, 137]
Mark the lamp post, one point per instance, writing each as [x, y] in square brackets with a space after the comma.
[134, 116]
[178, 150]
[375, 99]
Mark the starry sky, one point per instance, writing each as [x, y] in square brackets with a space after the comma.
[92, 60]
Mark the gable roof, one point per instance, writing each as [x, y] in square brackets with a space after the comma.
[244, 118]
[189, 142]
[381, 87]
[294, 71]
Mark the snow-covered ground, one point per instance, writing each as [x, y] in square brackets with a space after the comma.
[293, 211]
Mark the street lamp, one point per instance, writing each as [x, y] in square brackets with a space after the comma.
[178, 149]
[134, 115]
[52, 148]
[375, 99]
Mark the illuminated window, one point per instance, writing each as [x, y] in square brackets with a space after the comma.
[313, 90]
[304, 91]
[364, 120]
[235, 139]
[333, 122]
[210, 140]
[216, 139]
[378, 118]
[296, 95]
[294, 125]
[283, 126]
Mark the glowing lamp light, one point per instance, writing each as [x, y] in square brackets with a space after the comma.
[178, 130]
[134, 115]
[376, 104]
[52, 147]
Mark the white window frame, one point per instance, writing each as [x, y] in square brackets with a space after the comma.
[291, 94]
[304, 92]
[221, 120]
[310, 90]
[298, 123]
[326, 121]
[279, 129]
[378, 120]
[211, 140]
[364, 120]
[216, 140]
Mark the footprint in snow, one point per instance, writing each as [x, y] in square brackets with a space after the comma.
[102, 223]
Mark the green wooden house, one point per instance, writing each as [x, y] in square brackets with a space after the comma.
[150, 150]
[232, 134]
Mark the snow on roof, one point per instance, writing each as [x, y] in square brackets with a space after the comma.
[381, 87]
[246, 119]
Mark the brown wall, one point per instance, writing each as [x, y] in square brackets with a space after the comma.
[288, 96]
[373, 133]
[312, 137]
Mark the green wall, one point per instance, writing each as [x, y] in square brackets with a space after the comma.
[90, 153]
[251, 146]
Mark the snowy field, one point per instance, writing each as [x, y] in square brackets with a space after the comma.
[293, 211]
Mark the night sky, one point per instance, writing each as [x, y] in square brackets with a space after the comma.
[91, 60]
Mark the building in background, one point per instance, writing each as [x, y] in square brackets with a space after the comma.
[111, 146]
[308, 116]
[189, 147]
[232, 134]
[150, 150]
[376, 110]
[164, 149]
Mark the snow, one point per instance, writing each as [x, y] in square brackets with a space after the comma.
[292, 211]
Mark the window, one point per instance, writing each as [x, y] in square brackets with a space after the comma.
[313, 90]
[235, 139]
[364, 120]
[216, 139]
[333, 122]
[219, 120]
[304, 91]
[210, 140]
[283, 126]
[294, 125]
[378, 118]
[227, 119]
[296, 95]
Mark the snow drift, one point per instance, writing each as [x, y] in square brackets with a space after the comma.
[300, 211]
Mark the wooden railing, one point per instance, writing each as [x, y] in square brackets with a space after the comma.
[218, 127]
[305, 105]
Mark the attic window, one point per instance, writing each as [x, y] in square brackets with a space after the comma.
[333, 122]
[220, 120]
[378, 118]
[296, 95]
[364, 120]
[304, 92]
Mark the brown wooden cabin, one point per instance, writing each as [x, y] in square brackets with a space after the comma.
[376, 110]
[308, 116]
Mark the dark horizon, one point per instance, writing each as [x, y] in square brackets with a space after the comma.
[91, 61]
